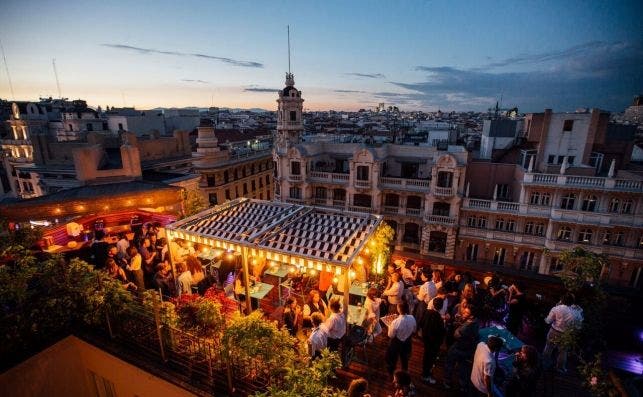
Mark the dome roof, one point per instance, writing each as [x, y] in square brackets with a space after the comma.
[288, 89]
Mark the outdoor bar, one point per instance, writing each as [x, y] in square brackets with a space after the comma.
[302, 238]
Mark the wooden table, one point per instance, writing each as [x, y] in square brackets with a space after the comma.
[280, 272]
[258, 291]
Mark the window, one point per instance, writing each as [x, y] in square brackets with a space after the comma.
[439, 208]
[295, 168]
[565, 233]
[545, 200]
[392, 200]
[617, 239]
[254, 185]
[210, 180]
[510, 226]
[503, 191]
[568, 125]
[570, 160]
[213, 199]
[415, 202]
[120, 126]
[293, 115]
[71, 127]
[567, 202]
[607, 238]
[362, 200]
[226, 176]
[627, 207]
[339, 195]
[551, 159]
[615, 205]
[243, 172]
[529, 228]
[585, 236]
[445, 179]
[362, 173]
[260, 183]
[539, 230]
[535, 198]
[227, 194]
[482, 222]
[596, 160]
[411, 233]
[267, 179]
[561, 159]
[245, 188]
[320, 192]
[499, 257]
[90, 127]
[472, 221]
[589, 203]
[472, 252]
[555, 265]
[437, 242]
[295, 192]
[500, 224]
[528, 261]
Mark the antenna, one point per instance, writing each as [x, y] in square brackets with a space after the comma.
[53, 61]
[6, 67]
[288, 49]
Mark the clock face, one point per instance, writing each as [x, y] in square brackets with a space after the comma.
[16, 111]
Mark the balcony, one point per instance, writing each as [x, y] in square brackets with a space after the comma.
[611, 250]
[414, 185]
[339, 204]
[414, 212]
[320, 201]
[489, 205]
[391, 210]
[586, 182]
[295, 178]
[356, 208]
[328, 177]
[499, 235]
[294, 201]
[363, 184]
[444, 220]
[443, 191]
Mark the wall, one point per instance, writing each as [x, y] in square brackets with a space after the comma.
[483, 177]
[65, 369]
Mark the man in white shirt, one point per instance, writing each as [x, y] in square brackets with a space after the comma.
[401, 333]
[563, 318]
[427, 290]
[335, 325]
[484, 365]
[318, 338]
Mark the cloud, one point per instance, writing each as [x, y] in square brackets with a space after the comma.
[595, 74]
[195, 81]
[350, 91]
[367, 75]
[146, 51]
[260, 89]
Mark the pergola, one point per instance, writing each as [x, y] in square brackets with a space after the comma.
[296, 235]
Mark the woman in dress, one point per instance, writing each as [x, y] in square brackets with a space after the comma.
[136, 268]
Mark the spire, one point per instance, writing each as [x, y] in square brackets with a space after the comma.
[612, 171]
[290, 78]
[289, 49]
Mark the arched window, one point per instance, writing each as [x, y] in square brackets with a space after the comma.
[529, 228]
[589, 203]
[567, 202]
[540, 229]
[585, 236]
[500, 223]
[627, 207]
[545, 200]
[565, 233]
[534, 199]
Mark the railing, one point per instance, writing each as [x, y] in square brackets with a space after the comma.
[363, 184]
[504, 206]
[320, 201]
[584, 181]
[356, 208]
[391, 210]
[339, 203]
[404, 183]
[328, 176]
[508, 206]
[294, 201]
[295, 178]
[447, 220]
[414, 211]
[443, 191]
[476, 203]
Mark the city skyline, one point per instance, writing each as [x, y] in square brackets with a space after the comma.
[424, 55]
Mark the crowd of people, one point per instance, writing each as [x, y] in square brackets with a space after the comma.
[445, 314]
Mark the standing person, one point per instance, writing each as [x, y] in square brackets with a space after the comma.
[122, 244]
[517, 306]
[428, 289]
[147, 254]
[358, 388]
[526, 370]
[163, 279]
[432, 327]
[562, 318]
[403, 385]
[184, 281]
[292, 312]
[465, 339]
[484, 366]
[408, 277]
[400, 331]
[372, 305]
[314, 304]
[437, 279]
[99, 249]
[335, 325]
[136, 268]
[318, 339]
[394, 292]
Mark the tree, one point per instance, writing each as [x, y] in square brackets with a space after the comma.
[193, 203]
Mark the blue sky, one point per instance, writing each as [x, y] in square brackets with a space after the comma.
[345, 55]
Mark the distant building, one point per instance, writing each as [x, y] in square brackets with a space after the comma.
[139, 122]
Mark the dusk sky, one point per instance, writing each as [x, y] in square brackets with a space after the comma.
[345, 55]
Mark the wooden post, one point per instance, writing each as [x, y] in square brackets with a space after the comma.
[170, 236]
[347, 287]
[157, 320]
[246, 277]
